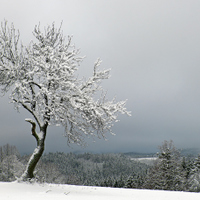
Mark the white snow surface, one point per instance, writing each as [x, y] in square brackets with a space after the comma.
[24, 191]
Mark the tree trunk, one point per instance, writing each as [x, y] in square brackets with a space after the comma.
[35, 157]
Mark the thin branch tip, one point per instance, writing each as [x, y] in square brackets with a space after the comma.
[29, 120]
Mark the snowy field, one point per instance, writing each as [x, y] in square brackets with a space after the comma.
[148, 161]
[24, 191]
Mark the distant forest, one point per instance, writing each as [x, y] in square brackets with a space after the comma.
[170, 171]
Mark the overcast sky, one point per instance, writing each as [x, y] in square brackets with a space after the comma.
[153, 50]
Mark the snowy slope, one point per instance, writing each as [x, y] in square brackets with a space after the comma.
[23, 191]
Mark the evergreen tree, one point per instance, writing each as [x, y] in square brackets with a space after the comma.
[10, 165]
[165, 174]
[194, 179]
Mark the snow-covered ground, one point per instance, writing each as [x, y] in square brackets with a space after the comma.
[148, 161]
[24, 191]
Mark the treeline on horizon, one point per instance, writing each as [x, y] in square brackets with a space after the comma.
[170, 171]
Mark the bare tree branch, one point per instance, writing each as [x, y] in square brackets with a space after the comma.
[33, 129]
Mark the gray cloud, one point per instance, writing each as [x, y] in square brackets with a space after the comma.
[153, 50]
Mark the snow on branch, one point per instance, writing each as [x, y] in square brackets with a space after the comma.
[42, 80]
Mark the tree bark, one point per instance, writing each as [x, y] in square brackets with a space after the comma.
[35, 157]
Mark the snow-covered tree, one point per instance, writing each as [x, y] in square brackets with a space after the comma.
[42, 80]
[11, 168]
[194, 178]
[10, 165]
[166, 172]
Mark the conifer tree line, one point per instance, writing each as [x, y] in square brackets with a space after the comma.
[170, 171]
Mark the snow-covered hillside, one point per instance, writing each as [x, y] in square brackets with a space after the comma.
[147, 161]
[24, 191]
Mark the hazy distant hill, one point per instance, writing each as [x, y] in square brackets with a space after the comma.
[193, 152]
[139, 155]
